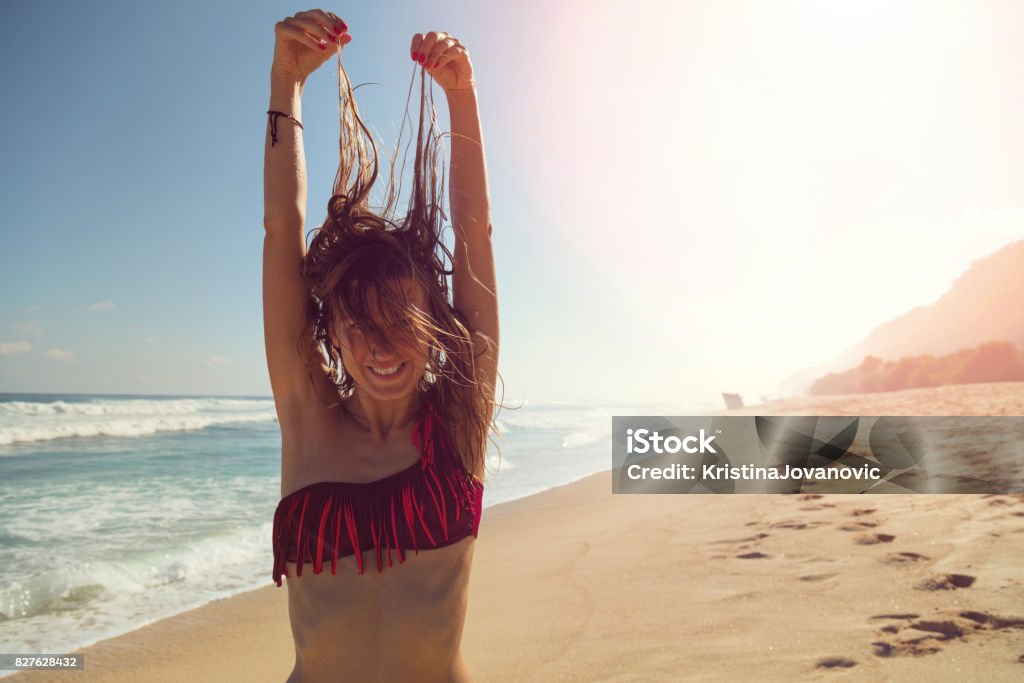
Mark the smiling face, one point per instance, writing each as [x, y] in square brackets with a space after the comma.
[391, 367]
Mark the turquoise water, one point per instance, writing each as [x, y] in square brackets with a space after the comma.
[117, 511]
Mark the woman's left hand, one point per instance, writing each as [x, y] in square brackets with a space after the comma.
[445, 59]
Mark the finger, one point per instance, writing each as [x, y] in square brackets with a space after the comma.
[414, 48]
[446, 57]
[339, 26]
[291, 31]
[309, 20]
[315, 30]
[454, 53]
[427, 44]
[436, 51]
[335, 27]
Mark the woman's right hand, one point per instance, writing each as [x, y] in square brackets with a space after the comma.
[307, 40]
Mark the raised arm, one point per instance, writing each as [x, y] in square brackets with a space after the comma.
[474, 287]
[297, 53]
[284, 160]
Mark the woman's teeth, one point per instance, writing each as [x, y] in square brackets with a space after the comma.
[384, 372]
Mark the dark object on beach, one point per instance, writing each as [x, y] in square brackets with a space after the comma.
[732, 401]
[835, 662]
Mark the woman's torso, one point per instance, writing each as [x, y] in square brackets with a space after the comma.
[404, 622]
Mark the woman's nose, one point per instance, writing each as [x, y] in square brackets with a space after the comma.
[378, 351]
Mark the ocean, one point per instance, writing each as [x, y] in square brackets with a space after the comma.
[117, 511]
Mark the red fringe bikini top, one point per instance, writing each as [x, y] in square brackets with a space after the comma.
[432, 504]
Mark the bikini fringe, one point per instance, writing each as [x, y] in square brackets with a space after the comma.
[328, 511]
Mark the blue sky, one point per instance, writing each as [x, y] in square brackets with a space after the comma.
[133, 187]
[674, 186]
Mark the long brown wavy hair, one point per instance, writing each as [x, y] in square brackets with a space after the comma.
[359, 254]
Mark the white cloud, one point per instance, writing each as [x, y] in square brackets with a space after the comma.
[11, 348]
[59, 354]
[28, 326]
[101, 306]
[216, 360]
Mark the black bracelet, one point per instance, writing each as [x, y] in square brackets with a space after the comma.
[273, 124]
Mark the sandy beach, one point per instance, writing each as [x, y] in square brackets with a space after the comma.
[577, 584]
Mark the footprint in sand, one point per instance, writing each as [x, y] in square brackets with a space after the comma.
[945, 629]
[946, 583]
[817, 577]
[835, 663]
[905, 558]
[921, 645]
[993, 621]
[752, 556]
[864, 511]
[858, 526]
[797, 525]
[916, 648]
[872, 539]
[948, 626]
[748, 539]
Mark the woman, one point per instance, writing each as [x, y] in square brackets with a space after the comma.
[384, 390]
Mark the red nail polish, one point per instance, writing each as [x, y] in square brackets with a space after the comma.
[322, 46]
[338, 30]
[423, 59]
[332, 39]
